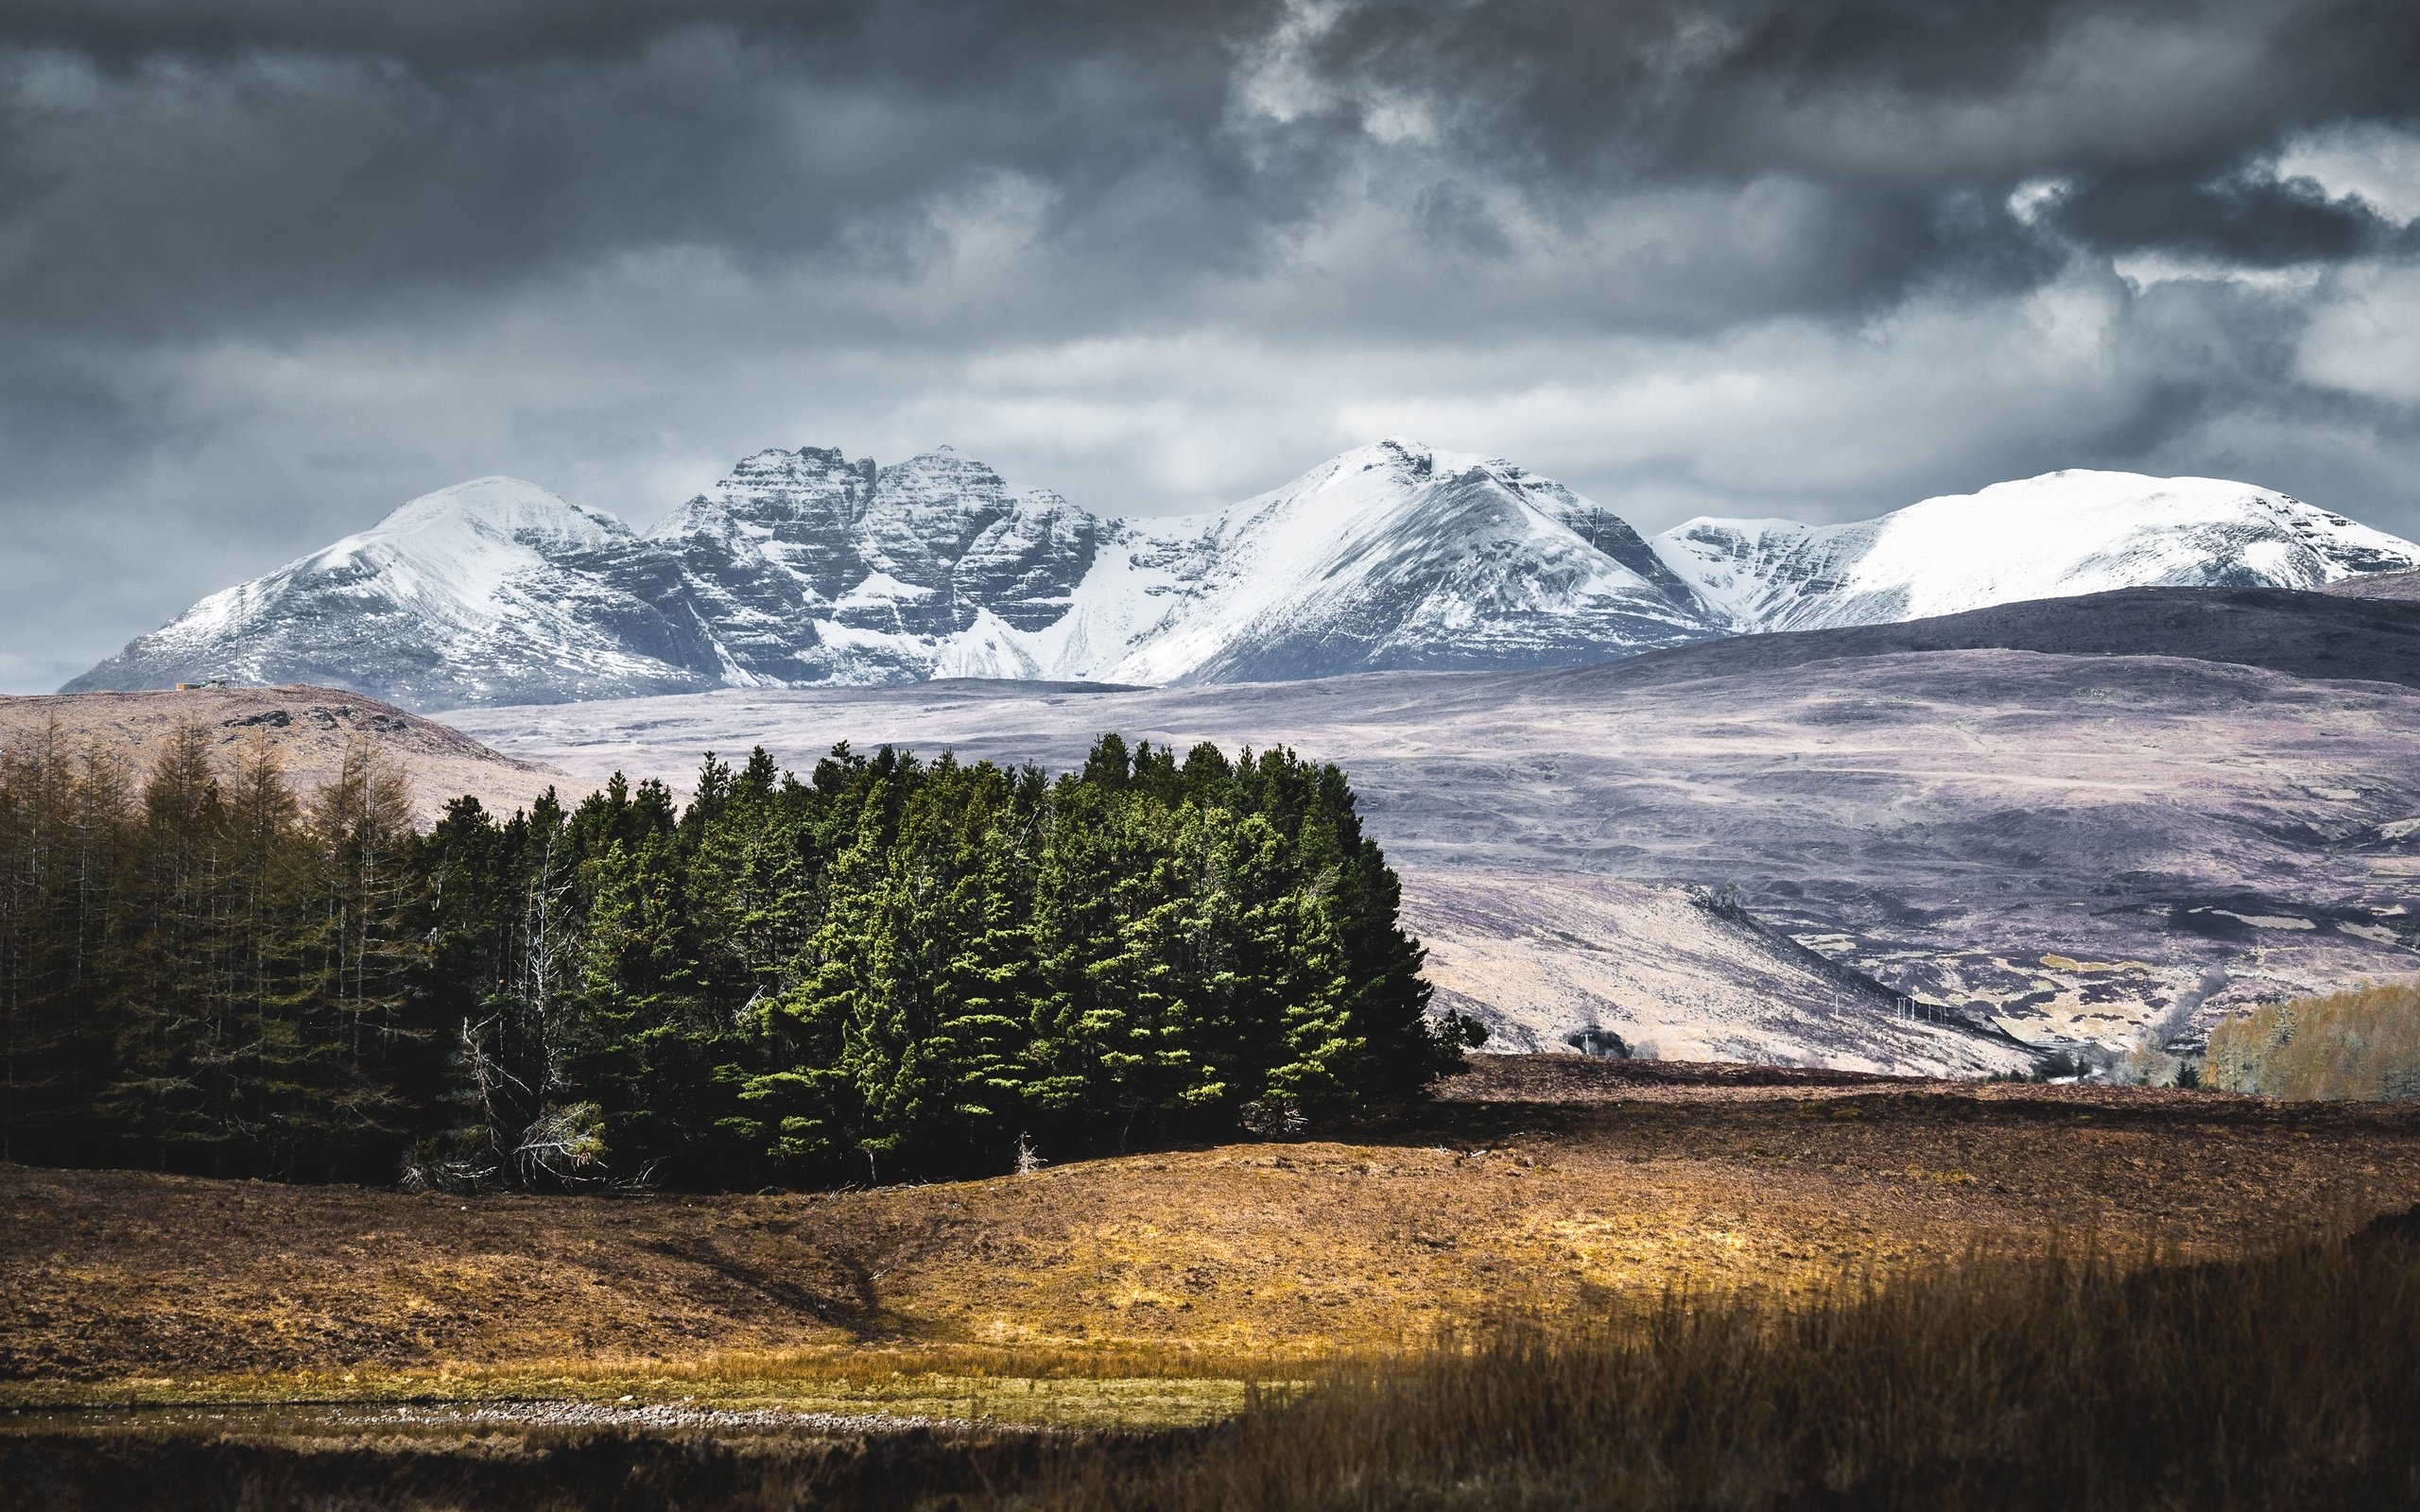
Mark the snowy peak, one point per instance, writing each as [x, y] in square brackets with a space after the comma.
[777, 537]
[2055, 536]
[952, 525]
[489, 591]
[1399, 555]
[503, 510]
[1414, 465]
[462, 547]
[775, 491]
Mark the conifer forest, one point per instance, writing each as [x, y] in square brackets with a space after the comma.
[889, 969]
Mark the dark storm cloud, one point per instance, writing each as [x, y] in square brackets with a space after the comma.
[938, 43]
[2152, 109]
[2262, 225]
[280, 155]
[277, 157]
[267, 267]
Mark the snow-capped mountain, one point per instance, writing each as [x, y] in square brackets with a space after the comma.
[1392, 556]
[814, 568]
[805, 567]
[492, 591]
[2055, 536]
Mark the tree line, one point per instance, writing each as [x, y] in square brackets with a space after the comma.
[2363, 1043]
[889, 968]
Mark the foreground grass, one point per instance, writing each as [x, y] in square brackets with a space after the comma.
[1542, 1186]
[2072, 1379]
[2080, 1377]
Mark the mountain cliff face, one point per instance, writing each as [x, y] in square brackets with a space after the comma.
[807, 568]
[812, 569]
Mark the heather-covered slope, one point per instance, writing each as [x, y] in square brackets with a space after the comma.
[2403, 586]
[2330, 634]
[2113, 848]
[1535, 1183]
[1608, 966]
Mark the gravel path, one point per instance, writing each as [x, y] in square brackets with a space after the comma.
[652, 1414]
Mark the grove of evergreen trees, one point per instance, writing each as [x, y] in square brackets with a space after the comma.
[892, 968]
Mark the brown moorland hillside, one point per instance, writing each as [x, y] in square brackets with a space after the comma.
[1537, 1184]
[309, 729]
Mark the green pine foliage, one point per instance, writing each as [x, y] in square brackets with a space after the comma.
[200, 973]
[890, 969]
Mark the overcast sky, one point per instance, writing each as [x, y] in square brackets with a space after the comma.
[270, 267]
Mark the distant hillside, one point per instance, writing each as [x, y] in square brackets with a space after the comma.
[2345, 631]
[2115, 849]
[2378, 585]
[308, 727]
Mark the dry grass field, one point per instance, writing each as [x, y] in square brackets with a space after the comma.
[1536, 1186]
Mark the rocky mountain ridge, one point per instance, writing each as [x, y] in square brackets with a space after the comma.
[807, 567]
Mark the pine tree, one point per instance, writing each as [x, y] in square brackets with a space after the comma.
[165, 1033]
[46, 1028]
[267, 1078]
[364, 953]
[929, 1040]
[802, 1106]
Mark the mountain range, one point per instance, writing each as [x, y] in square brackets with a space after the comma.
[806, 568]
